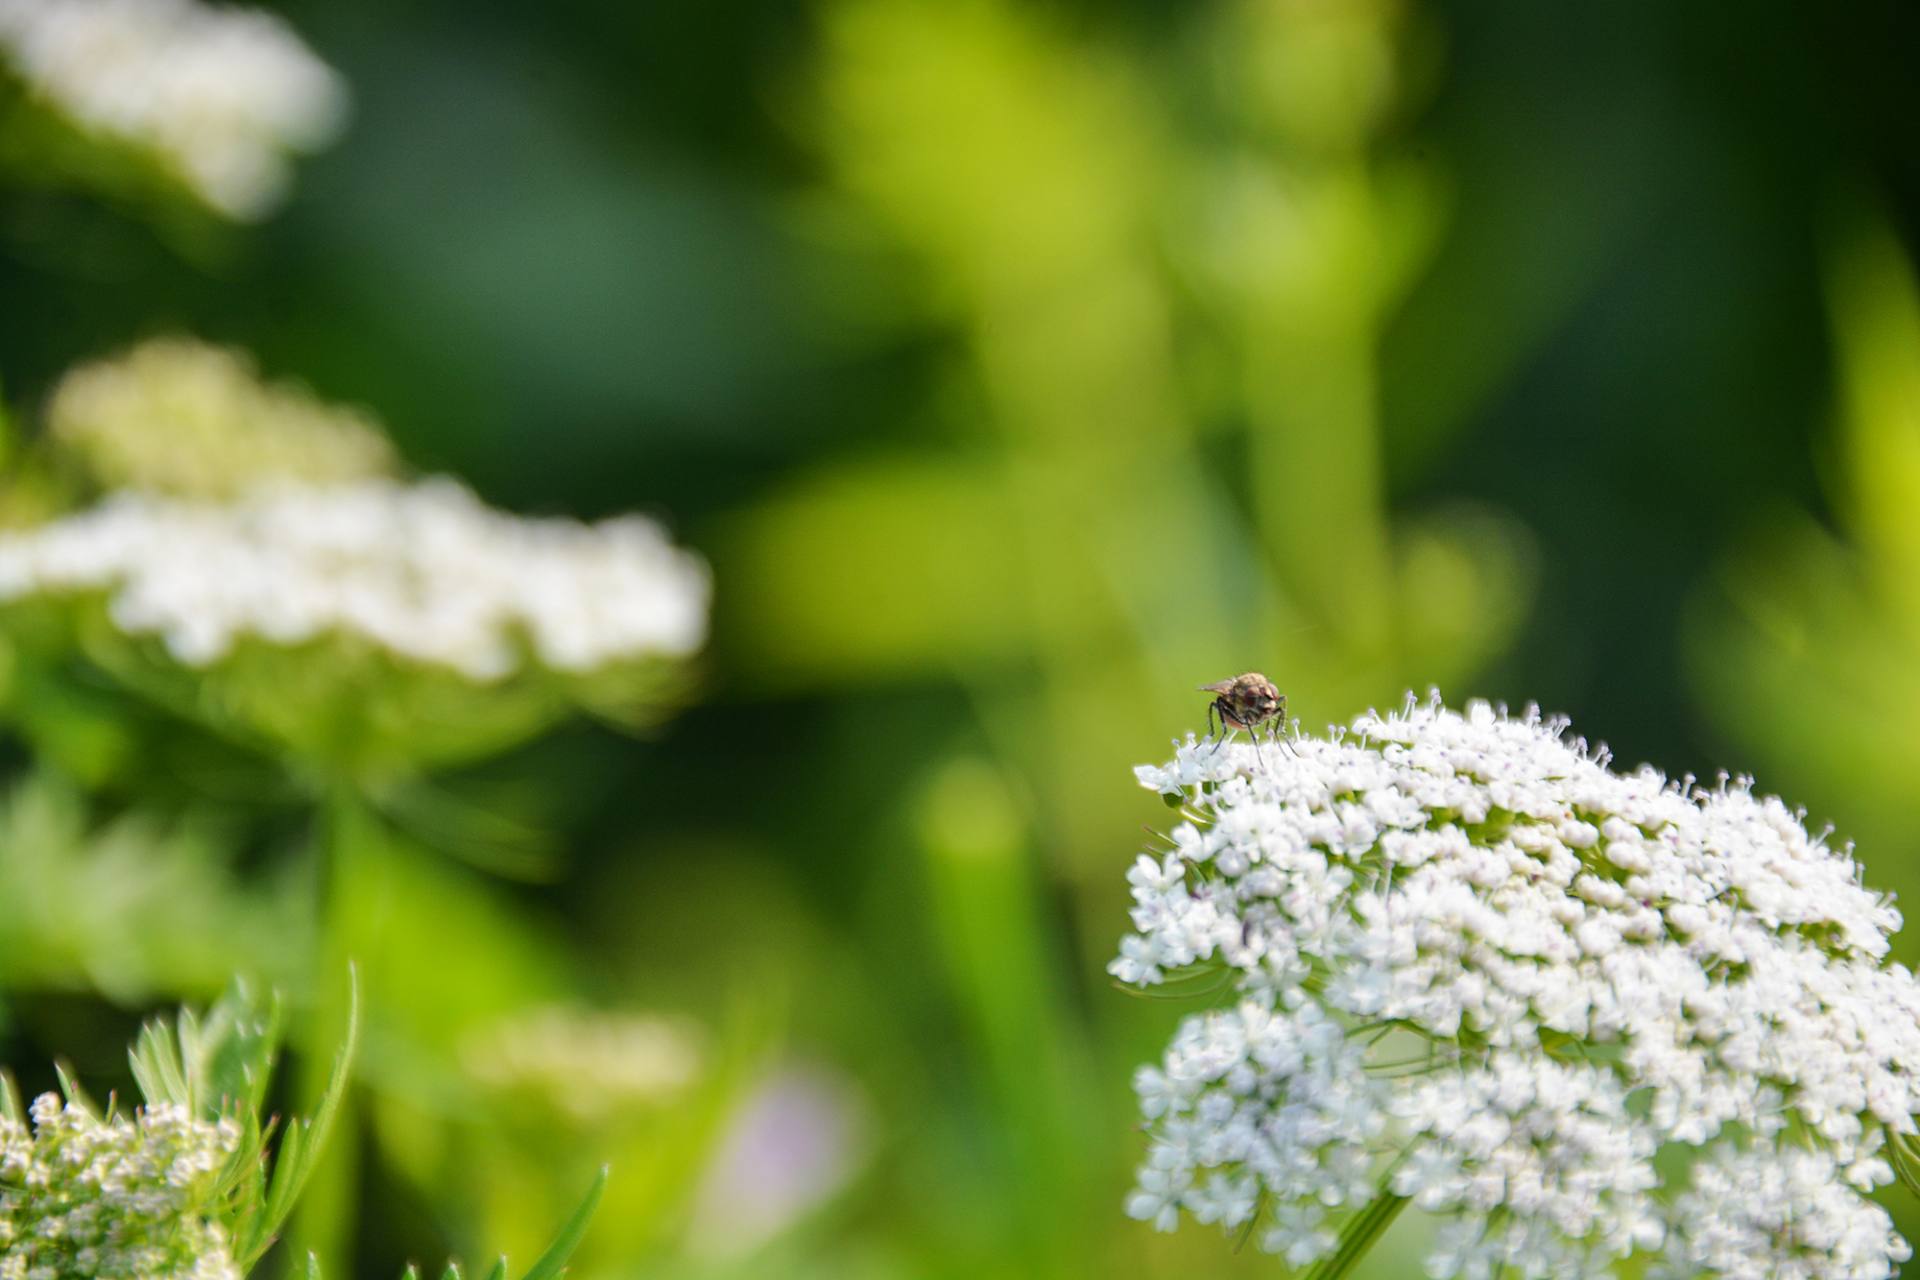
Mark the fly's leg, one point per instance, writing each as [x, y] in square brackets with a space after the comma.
[1279, 729]
[1215, 708]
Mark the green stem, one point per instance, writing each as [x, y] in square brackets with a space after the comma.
[1906, 1161]
[1359, 1235]
[346, 838]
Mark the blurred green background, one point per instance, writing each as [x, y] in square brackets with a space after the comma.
[1017, 367]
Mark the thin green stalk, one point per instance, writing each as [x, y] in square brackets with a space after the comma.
[1359, 1234]
[1906, 1161]
[347, 836]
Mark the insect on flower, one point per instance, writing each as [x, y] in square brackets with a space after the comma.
[1245, 702]
[1789, 1085]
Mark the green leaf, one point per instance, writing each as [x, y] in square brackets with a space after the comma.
[215, 1065]
[491, 841]
[300, 1149]
[892, 565]
[233, 1050]
[157, 1067]
[553, 1262]
[70, 1086]
[132, 906]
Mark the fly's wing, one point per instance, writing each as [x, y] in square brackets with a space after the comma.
[1218, 686]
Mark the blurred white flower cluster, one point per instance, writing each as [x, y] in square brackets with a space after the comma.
[179, 416]
[118, 1198]
[588, 1065]
[220, 94]
[1478, 969]
[423, 571]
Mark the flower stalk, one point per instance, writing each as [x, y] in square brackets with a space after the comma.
[1359, 1235]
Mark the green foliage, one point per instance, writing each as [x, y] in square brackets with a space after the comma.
[44, 153]
[551, 1264]
[1021, 367]
[215, 1064]
[1808, 645]
[1080, 245]
[133, 906]
[218, 1066]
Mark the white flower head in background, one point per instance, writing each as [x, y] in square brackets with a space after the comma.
[116, 1198]
[179, 416]
[1478, 971]
[257, 567]
[220, 94]
[423, 572]
[590, 1065]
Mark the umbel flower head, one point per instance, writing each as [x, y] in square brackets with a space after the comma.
[1475, 969]
[423, 571]
[218, 94]
[590, 1066]
[183, 417]
[363, 622]
[117, 1198]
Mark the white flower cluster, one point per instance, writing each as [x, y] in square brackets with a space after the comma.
[175, 415]
[117, 1199]
[424, 572]
[588, 1065]
[219, 94]
[1479, 970]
